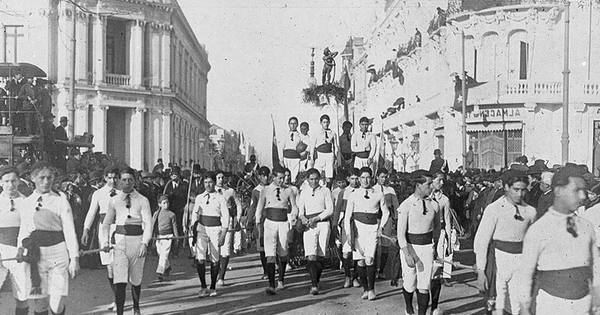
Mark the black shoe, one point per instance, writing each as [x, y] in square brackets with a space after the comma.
[394, 283]
[168, 271]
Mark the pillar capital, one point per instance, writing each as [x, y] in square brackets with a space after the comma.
[140, 109]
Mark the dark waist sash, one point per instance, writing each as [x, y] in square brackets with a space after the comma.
[314, 215]
[570, 284]
[276, 214]
[37, 239]
[365, 218]
[209, 220]
[9, 235]
[509, 247]
[291, 154]
[363, 155]
[420, 239]
[165, 232]
[325, 148]
[129, 229]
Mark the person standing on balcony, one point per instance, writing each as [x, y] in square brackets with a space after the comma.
[364, 145]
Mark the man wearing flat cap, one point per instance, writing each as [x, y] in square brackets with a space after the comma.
[177, 189]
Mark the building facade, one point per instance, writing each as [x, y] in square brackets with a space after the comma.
[140, 73]
[228, 149]
[514, 58]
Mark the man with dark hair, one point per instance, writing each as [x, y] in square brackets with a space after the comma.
[561, 250]
[326, 148]
[263, 178]
[438, 164]
[500, 235]
[315, 206]
[366, 214]
[305, 155]
[11, 206]
[418, 229]
[177, 190]
[234, 205]
[338, 220]
[275, 200]
[99, 205]
[291, 148]
[130, 212]
[390, 228]
[364, 145]
[212, 217]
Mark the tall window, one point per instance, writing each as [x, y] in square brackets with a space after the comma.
[523, 57]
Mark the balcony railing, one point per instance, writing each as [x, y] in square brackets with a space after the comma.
[116, 79]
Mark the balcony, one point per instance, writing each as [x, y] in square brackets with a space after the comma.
[591, 92]
[116, 79]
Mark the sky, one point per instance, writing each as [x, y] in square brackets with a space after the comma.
[259, 51]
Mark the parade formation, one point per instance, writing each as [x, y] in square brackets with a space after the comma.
[114, 173]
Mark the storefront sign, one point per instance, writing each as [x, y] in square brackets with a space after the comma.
[494, 114]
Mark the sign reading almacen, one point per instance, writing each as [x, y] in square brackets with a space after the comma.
[491, 114]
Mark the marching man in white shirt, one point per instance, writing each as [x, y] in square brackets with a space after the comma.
[561, 249]
[99, 204]
[234, 205]
[363, 145]
[212, 223]
[418, 232]
[130, 212]
[291, 155]
[315, 207]
[273, 204]
[503, 226]
[47, 231]
[11, 206]
[326, 147]
[366, 214]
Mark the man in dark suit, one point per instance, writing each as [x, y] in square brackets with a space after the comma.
[176, 189]
[60, 133]
[438, 164]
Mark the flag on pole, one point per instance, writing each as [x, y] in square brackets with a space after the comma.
[275, 150]
[380, 152]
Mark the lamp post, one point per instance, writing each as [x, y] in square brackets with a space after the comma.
[565, 121]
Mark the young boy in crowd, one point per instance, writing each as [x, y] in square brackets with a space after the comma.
[165, 226]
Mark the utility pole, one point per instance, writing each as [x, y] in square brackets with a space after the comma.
[71, 108]
[464, 101]
[565, 121]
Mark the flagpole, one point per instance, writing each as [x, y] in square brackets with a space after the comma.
[464, 102]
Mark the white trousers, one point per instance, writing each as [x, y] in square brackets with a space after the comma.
[207, 244]
[365, 240]
[17, 272]
[53, 268]
[548, 304]
[507, 266]
[163, 248]
[276, 238]
[324, 163]
[361, 162]
[105, 258]
[419, 276]
[316, 240]
[226, 248]
[293, 165]
[446, 271]
[128, 266]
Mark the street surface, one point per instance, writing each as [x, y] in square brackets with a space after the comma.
[244, 293]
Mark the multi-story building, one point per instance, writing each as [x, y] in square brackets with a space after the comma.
[140, 73]
[228, 150]
[514, 58]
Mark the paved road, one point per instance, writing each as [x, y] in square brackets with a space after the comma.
[244, 293]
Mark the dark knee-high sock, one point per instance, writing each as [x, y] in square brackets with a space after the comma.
[362, 276]
[408, 299]
[224, 263]
[44, 313]
[319, 269]
[59, 313]
[310, 267]
[282, 265]
[347, 262]
[370, 277]
[423, 302]
[263, 262]
[356, 275]
[136, 291]
[436, 289]
[271, 274]
[21, 311]
[201, 269]
[214, 274]
[120, 291]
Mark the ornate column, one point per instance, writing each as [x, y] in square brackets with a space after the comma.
[99, 48]
[166, 136]
[136, 52]
[99, 127]
[137, 138]
[155, 52]
[81, 115]
[165, 60]
[82, 47]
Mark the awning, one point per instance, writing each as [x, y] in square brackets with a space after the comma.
[494, 126]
